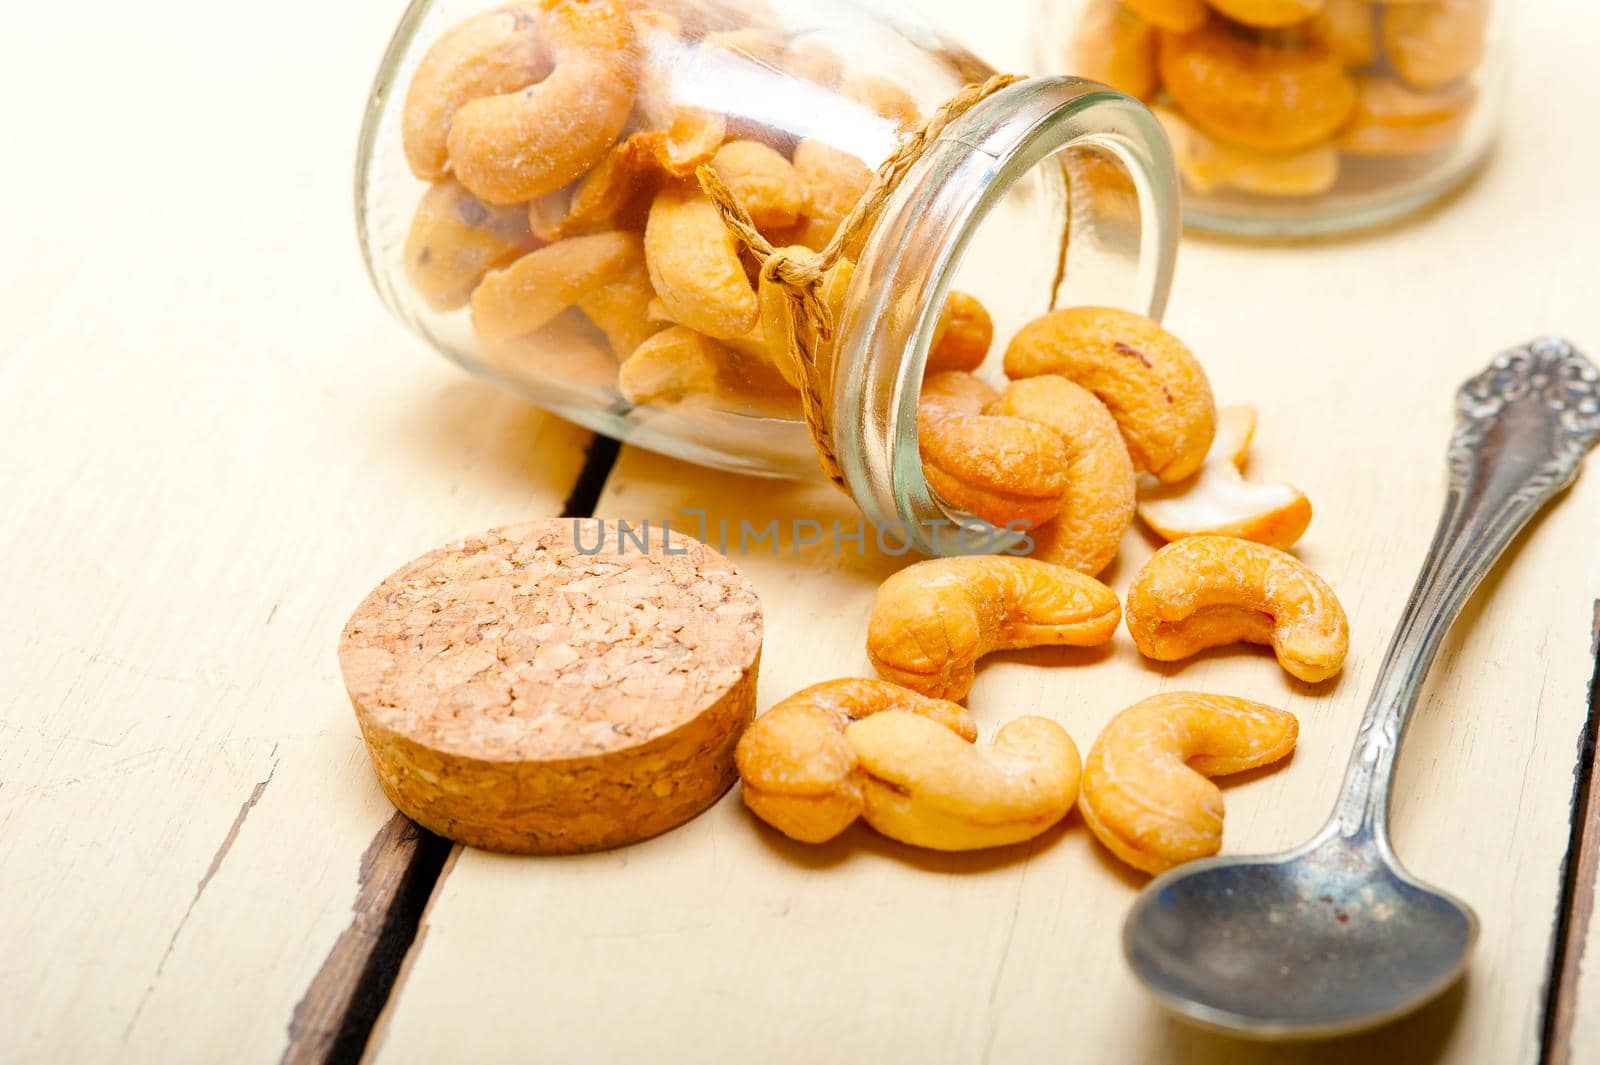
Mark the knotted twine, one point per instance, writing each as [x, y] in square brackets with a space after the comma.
[807, 319]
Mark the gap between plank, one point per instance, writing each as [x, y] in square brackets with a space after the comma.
[1579, 871]
[400, 869]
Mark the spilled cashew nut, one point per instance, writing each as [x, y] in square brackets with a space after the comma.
[543, 283]
[1434, 43]
[695, 265]
[1207, 591]
[801, 776]
[1097, 506]
[933, 620]
[455, 239]
[1269, 95]
[1209, 165]
[1002, 469]
[1219, 501]
[926, 786]
[486, 55]
[1151, 383]
[1117, 47]
[1145, 791]
[1392, 119]
[514, 146]
[962, 336]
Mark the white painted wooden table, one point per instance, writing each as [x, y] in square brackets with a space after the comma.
[215, 441]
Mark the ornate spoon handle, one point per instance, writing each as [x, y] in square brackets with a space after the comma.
[1523, 428]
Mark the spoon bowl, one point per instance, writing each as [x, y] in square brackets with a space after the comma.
[1329, 939]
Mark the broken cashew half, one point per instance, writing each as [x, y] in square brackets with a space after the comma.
[933, 620]
[1002, 469]
[962, 336]
[1097, 506]
[1207, 591]
[517, 145]
[926, 786]
[1153, 385]
[800, 774]
[1219, 501]
[1145, 792]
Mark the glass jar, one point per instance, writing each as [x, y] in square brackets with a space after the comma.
[1298, 117]
[527, 202]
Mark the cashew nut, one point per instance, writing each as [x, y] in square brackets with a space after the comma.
[883, 97]
[1115, 46]
[1268, 14]
[695, 265]
[773, 332]
[1209, 165]
[1349, 29]
[962, 337]
[1146, 795]
[511, 147]
[486, 55]
[1097, 506]
[455, 239]
[1207, 591]
[834, 180]
[800, 774]
[933, 620]
[1434, 43]
[926, 786]
[1265, 94]
[1178, 16]
[1005, 470]
[1151, 383]
[1393, 120]
[621, 308]
[1219, 501]
[565, 351]
[763, 182]
[679, 364]
[543, 283]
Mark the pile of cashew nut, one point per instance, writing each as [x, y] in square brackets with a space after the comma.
[1107, 415]
[564, 212]
[1267, 96]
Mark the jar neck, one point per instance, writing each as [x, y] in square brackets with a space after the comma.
[1115, 244]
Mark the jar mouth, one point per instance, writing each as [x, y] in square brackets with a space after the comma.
[912, 254]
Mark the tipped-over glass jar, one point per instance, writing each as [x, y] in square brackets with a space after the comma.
[1298, 117]
[528, 202]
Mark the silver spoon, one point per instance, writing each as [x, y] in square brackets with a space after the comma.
[1334, 937]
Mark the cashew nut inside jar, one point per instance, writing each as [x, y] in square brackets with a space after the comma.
[532, 200]
[1299, 117]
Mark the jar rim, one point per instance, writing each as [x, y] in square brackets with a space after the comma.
[910, 258]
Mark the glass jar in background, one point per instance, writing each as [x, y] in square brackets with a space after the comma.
[1298, 117]
[526, 201]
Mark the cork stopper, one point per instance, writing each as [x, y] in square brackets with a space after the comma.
[562, 685]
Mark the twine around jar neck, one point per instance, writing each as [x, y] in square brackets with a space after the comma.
[799, 272]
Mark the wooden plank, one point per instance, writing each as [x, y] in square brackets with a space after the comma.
[216, 441]
[724, 942]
